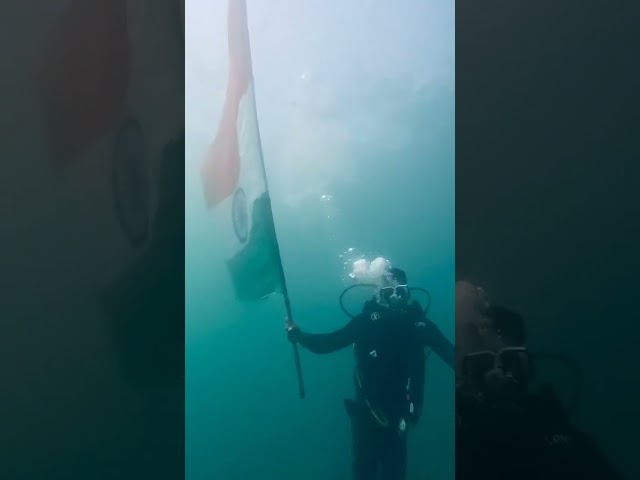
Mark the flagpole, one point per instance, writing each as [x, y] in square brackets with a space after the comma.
[238, 9]
[287, 302]
[283, 280]
[296, 353]
[283, 286]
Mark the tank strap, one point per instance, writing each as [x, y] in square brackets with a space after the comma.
[377, 414]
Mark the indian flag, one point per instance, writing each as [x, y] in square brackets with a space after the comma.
[234, 178]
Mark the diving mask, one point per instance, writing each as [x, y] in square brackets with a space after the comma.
[511, 363]
[394, 294]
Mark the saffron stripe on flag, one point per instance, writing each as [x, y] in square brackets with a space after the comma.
[84, 76]
[221, 169]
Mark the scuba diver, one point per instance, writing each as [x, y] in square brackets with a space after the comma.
[504, 429]
[389, 337]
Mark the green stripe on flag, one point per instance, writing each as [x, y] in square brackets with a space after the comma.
[256, 270]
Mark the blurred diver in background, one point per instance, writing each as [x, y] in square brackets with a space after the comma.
[389, 337]
[504, 429]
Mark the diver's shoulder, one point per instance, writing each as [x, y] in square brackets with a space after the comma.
[545, 402]
[370, 305]
[415, 309]
[370, 309]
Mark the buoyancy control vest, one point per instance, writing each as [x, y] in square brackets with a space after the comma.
[390, 362]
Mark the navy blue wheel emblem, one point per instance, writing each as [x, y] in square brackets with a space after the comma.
[240, 213]
[130, 182]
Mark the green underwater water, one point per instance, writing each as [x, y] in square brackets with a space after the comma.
[357, 126]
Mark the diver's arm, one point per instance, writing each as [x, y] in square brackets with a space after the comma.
[327, 342]
[433, 338]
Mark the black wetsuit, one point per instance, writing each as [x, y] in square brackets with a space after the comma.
[532, 439]
[389, 348]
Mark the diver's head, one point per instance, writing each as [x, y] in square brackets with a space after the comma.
[490, 345]
[483, 326]
[396, 276]
[394, 292]
[505, 328]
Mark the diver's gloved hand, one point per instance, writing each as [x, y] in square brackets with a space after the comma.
[293, 332]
